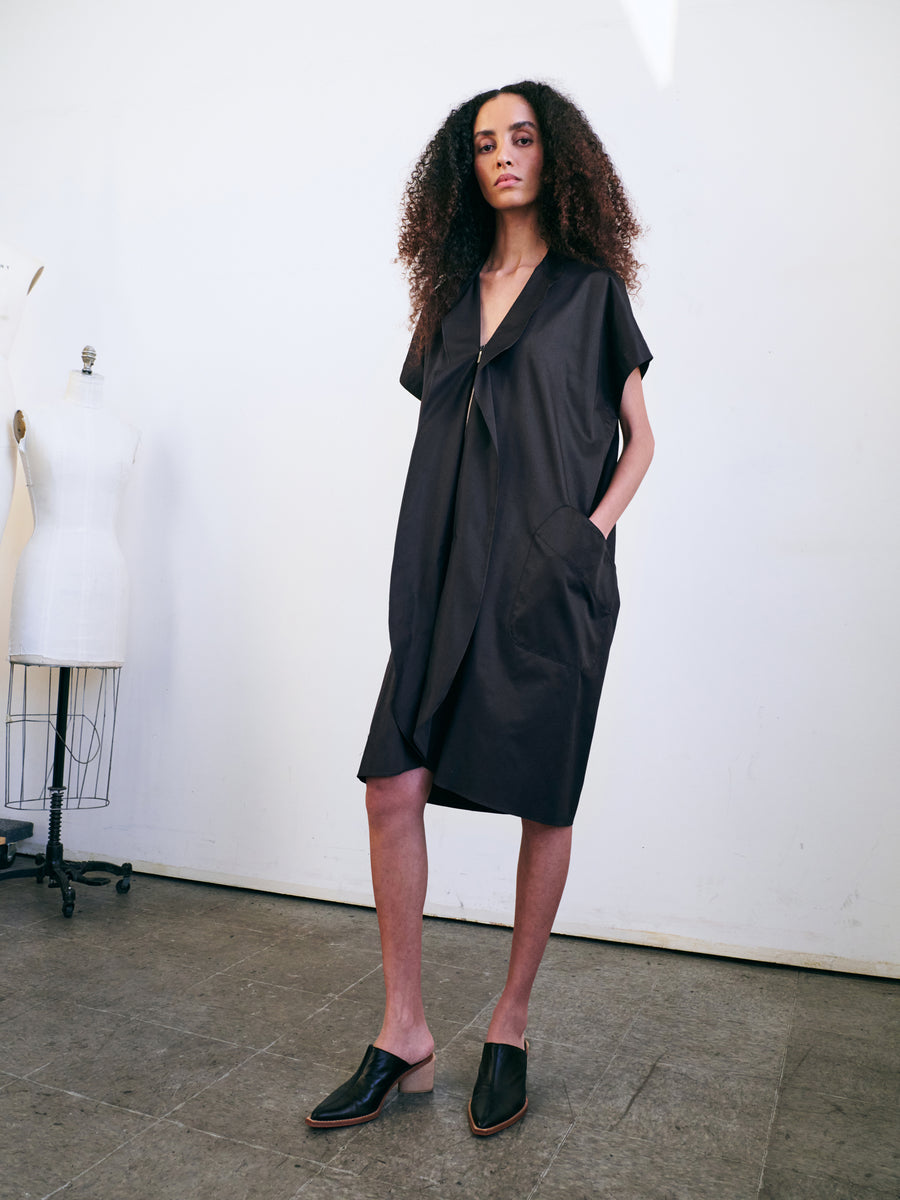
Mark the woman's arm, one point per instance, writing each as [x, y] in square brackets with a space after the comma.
[636, 456]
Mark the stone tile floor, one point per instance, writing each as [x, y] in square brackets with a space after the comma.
[169, 1042]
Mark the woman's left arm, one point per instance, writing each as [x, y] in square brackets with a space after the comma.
[636, 456]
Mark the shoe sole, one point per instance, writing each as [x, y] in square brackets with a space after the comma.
[347, 1121]
[479, 1132]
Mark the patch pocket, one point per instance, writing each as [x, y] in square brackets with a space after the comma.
[567, 601]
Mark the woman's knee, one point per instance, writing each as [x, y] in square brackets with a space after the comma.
[535, 833]
[392, 796]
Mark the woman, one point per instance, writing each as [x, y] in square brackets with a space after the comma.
[516, 235]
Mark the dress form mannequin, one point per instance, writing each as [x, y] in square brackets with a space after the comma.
[18, 274]
[71, 590]
[67, 626]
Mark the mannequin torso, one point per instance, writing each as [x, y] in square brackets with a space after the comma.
[70, 594]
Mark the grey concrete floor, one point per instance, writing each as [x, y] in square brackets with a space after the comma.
[168, 1043]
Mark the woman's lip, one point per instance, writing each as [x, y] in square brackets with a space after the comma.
[506, 179]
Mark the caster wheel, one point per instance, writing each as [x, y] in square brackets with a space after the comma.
[68, 908]
[123, 886]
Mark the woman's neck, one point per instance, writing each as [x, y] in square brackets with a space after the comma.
[517, 242]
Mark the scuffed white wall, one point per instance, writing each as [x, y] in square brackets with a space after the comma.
[213, 188]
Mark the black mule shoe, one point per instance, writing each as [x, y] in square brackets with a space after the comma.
[499, 1098]
[361, 1097]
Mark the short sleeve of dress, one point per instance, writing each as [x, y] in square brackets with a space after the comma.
[624, 346]
[412, 376]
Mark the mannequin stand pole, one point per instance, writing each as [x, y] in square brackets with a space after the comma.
[53, 865]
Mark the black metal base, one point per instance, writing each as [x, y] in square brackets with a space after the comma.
[60, 873]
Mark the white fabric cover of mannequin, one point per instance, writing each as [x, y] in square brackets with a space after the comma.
[18, 274]
[70, 595]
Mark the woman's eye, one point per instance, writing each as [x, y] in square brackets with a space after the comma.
[524, 141]
[485, 147]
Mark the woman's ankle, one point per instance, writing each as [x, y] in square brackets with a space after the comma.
[508, 1024]
[412, 1043]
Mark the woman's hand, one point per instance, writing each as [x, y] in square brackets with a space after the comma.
[636, 456]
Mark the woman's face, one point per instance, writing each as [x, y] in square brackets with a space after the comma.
[509, 156]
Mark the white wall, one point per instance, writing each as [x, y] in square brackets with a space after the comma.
[213, 188]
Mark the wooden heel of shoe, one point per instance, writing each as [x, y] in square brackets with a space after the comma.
[420, 1078]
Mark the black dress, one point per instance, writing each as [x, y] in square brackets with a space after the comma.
[503, 597]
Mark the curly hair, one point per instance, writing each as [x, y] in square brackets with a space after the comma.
[447, 227]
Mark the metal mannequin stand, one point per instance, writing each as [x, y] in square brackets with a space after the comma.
[75, 774]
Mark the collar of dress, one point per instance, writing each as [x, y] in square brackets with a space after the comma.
[461, 327]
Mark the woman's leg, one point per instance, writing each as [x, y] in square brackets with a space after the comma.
[540, 880]
[396, 810]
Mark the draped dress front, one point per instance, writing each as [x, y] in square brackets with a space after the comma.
[503, 597]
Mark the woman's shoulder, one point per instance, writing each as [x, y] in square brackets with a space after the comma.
[596, 283]
[593, 273]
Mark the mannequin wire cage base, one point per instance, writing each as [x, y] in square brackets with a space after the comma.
[42, 733]
[60, 728]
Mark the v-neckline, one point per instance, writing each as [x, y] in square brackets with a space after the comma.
[483, 345]
[461, 326]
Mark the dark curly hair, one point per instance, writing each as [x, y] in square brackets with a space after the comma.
[447, 227]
